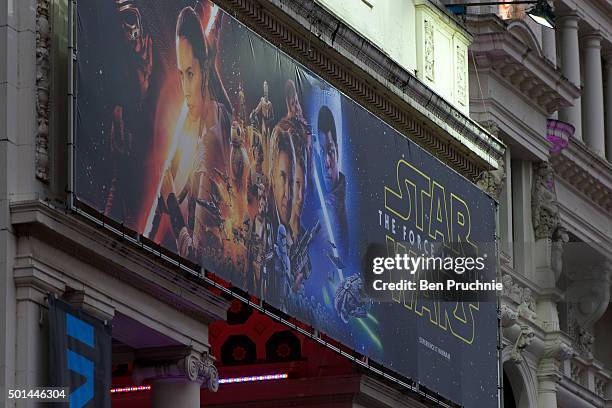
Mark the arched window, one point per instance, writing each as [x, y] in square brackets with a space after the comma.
[508, 393]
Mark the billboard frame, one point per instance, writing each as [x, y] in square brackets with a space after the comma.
[138, 241]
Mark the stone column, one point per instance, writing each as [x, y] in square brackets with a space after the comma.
[567, 30]
[523, 237]
[608, 105]
[592, 98]
[176, 375]
[176, 394]
[549, 44]
[549, 49]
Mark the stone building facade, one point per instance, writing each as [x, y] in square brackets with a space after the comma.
[524, 83]
[527, 82]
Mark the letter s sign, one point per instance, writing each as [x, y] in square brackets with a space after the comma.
[84, 333]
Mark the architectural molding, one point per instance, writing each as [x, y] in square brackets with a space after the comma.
[95, 304]
[530, 142]
[588, 223]
[120, 259]
[35, 280]
[334, 51]
[525, 69]
[586, 172]
[43, 80]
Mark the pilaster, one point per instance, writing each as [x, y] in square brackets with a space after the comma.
[33, 282]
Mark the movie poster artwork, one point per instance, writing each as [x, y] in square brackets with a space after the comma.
[201, 136]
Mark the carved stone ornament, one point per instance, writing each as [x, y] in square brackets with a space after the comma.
[564, 352]
[191, 367]
[544, 208]
[202, 370]
[524, 339]
[507, 315]
[429, 51]
[583, 341]
[492, 181]
[491, 126]
[576, 372]
[600, 386]
[559, 239]
[461, 77]
[527, 306]
[521, 296]
[43, 46]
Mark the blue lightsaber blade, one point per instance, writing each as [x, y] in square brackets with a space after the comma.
[326, 220]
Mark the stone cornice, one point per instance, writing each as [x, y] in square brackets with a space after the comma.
[584, 228]
[586, 172]
[34, 280]
[532, 140]
[526, 69]
[443, 10]
[313, 36]
[100, 248]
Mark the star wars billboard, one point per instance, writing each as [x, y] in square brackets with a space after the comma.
[202, 137]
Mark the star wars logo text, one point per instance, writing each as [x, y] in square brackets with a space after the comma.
[418, 212]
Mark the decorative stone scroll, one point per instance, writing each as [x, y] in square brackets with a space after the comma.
[524, 339]
[184, 364]
[202, 369]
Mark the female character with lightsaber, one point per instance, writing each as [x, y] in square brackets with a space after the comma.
[187, 191]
